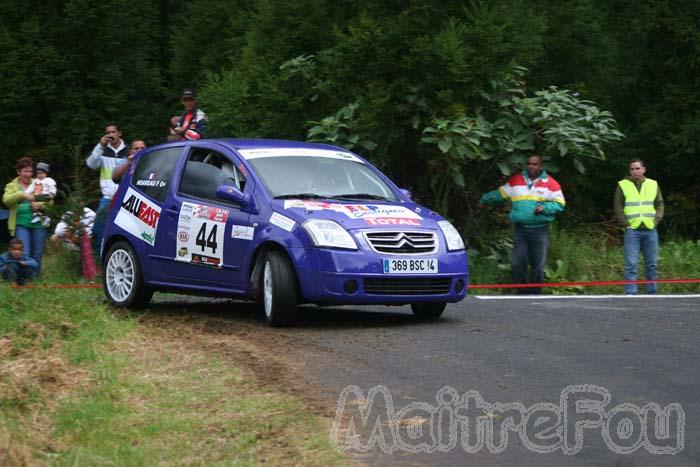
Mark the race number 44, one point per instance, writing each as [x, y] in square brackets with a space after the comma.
[207, 240]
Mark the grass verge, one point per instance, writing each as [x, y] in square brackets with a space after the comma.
[591, 254]
[81, 384]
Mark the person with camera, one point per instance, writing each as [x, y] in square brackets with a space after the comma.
[110, 152]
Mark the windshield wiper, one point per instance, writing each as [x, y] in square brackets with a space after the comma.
[301, 195]
[359, 196]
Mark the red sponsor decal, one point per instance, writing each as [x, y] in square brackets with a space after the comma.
[142, 211]
[148, 215]
[205, 260]
[218, 214]
[183, 236]
[391, 221]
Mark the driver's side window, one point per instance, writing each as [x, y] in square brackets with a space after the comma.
[205, 171]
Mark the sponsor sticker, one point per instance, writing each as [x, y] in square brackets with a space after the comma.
[391, 221]
[151, 181]
[282, 222]
[138, 216]
[200, 237]
[292, 152]
[242, 232]
[369, 211]
[361, 211]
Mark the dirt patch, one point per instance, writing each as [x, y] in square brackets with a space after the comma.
[273, 358]
[31, 381]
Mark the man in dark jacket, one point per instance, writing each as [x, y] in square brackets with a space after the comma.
[192, 124]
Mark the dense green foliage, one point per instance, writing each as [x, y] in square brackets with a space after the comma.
[373, 76]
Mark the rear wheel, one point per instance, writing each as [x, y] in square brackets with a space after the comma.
[122, 279]
[428, 310]
[279, 294]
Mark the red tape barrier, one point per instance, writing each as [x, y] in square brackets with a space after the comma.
[581, 284]
[57, 286]
[471, 286]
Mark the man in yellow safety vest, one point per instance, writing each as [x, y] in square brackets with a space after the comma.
[639, 207]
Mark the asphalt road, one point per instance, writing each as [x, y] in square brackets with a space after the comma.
[639, 350]
[642, 352]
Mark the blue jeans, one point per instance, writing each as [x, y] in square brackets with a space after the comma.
[98, 226]
[33, 240]
[17, 273]
[648, 242]
[529, 249]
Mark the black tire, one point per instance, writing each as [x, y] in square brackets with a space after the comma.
[428, 310]
[122, 279]
[278, 295]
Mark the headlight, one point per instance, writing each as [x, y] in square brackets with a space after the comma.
[329, 234]
[452, 237]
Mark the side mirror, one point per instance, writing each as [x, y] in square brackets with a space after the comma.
[231, 193]
[406, 193]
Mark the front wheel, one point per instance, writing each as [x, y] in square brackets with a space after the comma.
[122, 280]
[428, 310]
[279, 294]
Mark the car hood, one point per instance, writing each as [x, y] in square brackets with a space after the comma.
[360, 215]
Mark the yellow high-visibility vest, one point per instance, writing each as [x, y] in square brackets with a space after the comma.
[639, 205]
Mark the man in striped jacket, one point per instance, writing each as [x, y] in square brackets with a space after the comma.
[535, 199]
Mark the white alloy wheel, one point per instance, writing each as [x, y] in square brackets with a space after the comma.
[120, 275]
[122, 280]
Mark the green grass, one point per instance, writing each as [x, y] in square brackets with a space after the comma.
[82, 384]
[591, 254]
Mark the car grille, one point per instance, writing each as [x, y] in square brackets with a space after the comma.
[402, 243]
[408, 286]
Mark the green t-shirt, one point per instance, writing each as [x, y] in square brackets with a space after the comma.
[25, 214]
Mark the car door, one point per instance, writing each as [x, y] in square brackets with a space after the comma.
[203, 239]
[139, 210]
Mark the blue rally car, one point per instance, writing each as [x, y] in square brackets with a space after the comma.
[280, 222]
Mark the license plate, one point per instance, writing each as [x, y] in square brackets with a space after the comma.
[410, 266]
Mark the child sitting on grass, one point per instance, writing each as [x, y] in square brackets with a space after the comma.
[15, 265]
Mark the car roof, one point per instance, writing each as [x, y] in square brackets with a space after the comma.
[243, 143]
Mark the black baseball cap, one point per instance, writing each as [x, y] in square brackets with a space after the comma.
[189, 93]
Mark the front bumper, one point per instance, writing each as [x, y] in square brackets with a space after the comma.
[343, 277]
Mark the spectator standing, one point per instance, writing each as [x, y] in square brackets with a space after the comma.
[109, 153]
[15, 265]
[44, 189]
[192, 124]
[639, 207]
[22, 207]
[136, 146]
[535, 199]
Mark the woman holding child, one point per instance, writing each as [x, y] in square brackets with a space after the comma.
[20, 199]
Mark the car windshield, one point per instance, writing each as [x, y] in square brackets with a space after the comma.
[320, 177]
